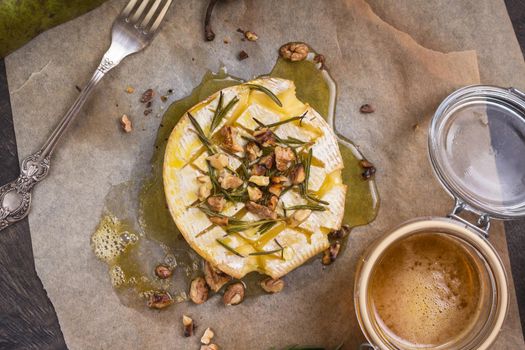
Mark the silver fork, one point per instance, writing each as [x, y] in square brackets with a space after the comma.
[132, 31]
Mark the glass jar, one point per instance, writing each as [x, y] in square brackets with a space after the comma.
[477, 150]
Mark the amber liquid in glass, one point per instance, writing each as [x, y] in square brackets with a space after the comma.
[426, 290]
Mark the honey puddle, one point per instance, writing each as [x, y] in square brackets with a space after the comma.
[427, 290]
[136, 231]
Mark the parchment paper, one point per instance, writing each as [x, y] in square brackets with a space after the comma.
[373, 61]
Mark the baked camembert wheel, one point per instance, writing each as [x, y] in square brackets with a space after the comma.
[252, 178]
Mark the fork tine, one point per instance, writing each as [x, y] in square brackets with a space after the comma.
[150, 14]
[160, 17]
[139, 11]
[125, 12]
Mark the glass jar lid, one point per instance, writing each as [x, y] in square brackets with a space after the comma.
[477, 149]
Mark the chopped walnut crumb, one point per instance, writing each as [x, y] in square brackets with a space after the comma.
[253, 151]
[126, 123]
[147, 96]
[198, 290]
[229, 139]
[219, 160]
[216, 203]
[209, 347]
[130, 90]
[254, 193]
[298, 174]
[230, 181]
[260, 180]
[219, 220]
[265, 137]
[258, 170]
[272, 203]
[271, 285]
[207, 336]
[275, 189]
[331, 253]
[188, 325]
[284, 157]
[215, 278]
[159, 300]
[294, 51]
[251, 36]
[267, 161]
[243, 55]
[298, 217]
[234, 294]
[260, 210]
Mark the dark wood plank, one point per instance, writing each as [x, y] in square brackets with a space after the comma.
[27, 317]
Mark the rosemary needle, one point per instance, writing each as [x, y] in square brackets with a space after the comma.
[229, 248]
[267, 92]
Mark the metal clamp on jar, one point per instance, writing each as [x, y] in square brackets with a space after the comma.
[438, 283]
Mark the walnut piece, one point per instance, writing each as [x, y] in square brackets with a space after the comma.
[219, 161]
[207, 336]
[294, 51]
[298, 217]
[260, 180]
[258, 170]
[267, 161]
[270, 285]
[209, 347]
[229, 139]
[159, 300]
[253, 151]
[260, 210]
[219, 220]
[254, 193]
[251, 36]
[272, 203]
[283, 157]
[126, 123]
[188, 325]
[275, 189]
[331, 253]
[341, 233]
[265, 137]
[215, 277]
[163, 271]
[234, 294]
[298, 174]
[230, 181]
[198, 290]
[216, 203]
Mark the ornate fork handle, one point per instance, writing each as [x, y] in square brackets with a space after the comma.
[15, 197]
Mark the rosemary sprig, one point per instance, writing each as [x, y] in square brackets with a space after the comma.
[280, 246]
[307, 162]
[223, 112]
[267, 92]
[268, 252]
[281, 122]
[205, 141]
[312, 207]
[240, 225]
[265, 227]
[215, 120]
[229, 248]
[315, 199]
[210, 212]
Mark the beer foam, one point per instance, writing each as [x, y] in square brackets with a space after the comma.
[426, 290]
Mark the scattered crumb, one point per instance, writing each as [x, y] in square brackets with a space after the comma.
[207, 336]
[226, 40]
[189, 326]
[147, 111]
[130, 90]
[126, 123]
[415, 126]
[148, 105]
[243, 55]
[147, 96]
[78, 88]
[366, 109]
[164, 98]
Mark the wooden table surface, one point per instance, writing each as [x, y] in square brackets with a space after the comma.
[27, 317]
